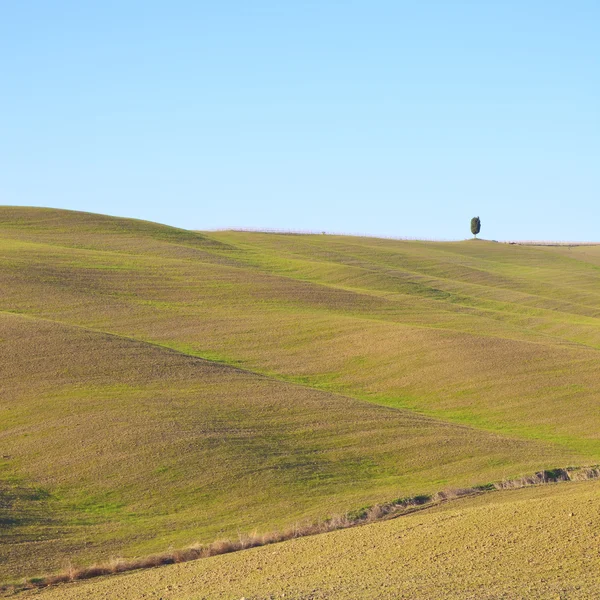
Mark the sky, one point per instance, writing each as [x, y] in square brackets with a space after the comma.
[389, 118]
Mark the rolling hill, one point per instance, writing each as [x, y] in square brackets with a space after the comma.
[163, 386]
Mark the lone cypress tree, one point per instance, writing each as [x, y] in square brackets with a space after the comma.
[475, 226]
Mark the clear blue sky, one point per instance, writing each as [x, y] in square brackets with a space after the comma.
[381, 117]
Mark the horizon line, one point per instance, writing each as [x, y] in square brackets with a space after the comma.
[284, 231]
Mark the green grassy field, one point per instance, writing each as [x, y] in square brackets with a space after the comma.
[528, 543]
[163, 386]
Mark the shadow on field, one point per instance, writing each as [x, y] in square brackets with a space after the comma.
[21, 506]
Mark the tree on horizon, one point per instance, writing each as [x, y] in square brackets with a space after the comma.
[475, 226]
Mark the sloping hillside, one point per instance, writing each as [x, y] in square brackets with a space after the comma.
[162, 386]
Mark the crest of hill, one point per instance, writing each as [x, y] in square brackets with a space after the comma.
[94, 231]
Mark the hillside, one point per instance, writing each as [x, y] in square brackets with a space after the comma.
[528, 543]
[163, 386]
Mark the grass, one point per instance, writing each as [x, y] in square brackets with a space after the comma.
[340, 372]
[538, 542]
